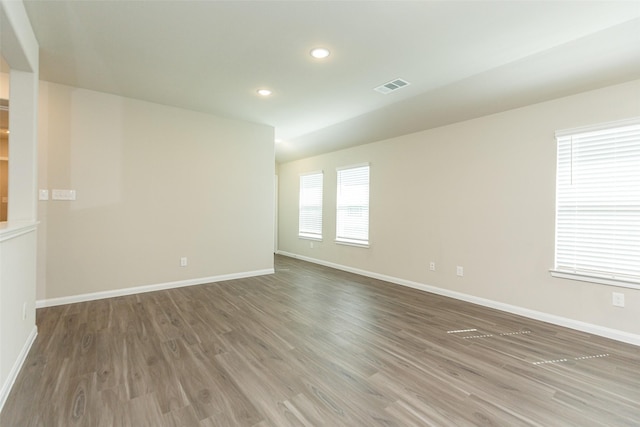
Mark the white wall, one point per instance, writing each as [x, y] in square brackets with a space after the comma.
[153, 184]
[19, 48]
[478, 194]
[17, 293]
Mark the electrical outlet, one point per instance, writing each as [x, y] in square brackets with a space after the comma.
[617, 299]
[432, 266]
[183, 261]
[459, 271]
[311, 245]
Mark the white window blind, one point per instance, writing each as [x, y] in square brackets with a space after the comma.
[352, 216]
[598, 203]
[310, 213]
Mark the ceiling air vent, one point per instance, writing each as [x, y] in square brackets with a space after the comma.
[391, 86]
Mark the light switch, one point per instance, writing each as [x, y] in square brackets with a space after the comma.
[43, 195]
[63, 194]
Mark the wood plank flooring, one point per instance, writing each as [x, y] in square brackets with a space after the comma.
[312, 346]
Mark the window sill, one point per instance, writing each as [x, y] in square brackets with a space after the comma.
[310, 237]
[583, 277]
[356, 243]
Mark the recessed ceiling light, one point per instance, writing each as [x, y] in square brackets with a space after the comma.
[264, 92]
[320, 52]
[278, 140]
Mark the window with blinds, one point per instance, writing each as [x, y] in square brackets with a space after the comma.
[598, 204]
[310, 210]
[352, 216]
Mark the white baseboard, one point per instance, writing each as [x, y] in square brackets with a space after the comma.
[614, 334]
[15, 369]
[148, 288]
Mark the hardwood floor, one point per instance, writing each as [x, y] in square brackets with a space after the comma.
[312, 346]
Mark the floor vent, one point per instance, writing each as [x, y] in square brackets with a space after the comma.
[392, 86]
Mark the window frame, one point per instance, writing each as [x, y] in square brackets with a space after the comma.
[604, 277]
[351, 240]
[304, 234]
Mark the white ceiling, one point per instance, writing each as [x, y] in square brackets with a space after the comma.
[463, 59]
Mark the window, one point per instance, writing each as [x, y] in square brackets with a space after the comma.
[352, 217]
[598, 204]
[310, 214]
